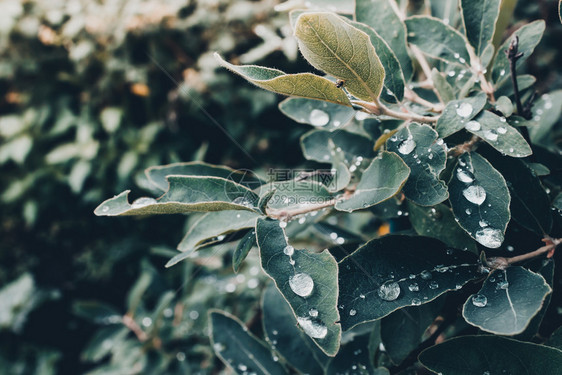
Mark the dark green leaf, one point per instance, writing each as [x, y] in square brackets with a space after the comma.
[394, 79]
[495, 131]
[437, 40]
[439, 222]
[157, 175]
[546, 112]
[420, 149]
[324, 146]
[470, 355]
[306, 280]
[353, 358]
[316, 113]
[530, 204]
[479, 19]
[507, 302]
[458, 113]
[529, 36]
[280, 327]
[238, 348]
[243, 248]
[332, 45]
[380, 15]
[403, 330]
[186, 194]
[304, 85]
[480, 199]
[211, 225]
[381, 180]
[446, 92]
[555, 339]
[396, 271]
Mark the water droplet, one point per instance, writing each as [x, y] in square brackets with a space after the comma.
[333, 235]
[408, 145]
[301, 284]
[490, 135]
[416, 302]
[289, 250]
[502, 72]
[193, 315]
[340, 240]
[389, 291]
[468, 211]
[312, 328]
[414, 287]
[489, 237]
[218, 347]
[242, 367]
[441, 269]
[143, 202]
[456, 55]
[472, 126]
[440, 142]
[479, 300]
[503, 119]
[502, 130]
[465, 176]
[362, 296]
[352, 312]
[283, 224]
[146, 321]
[302, 220]
[475, 194]
[318, 117]
[510, 248]
[180, 356]
[451, 73]
[275, 332]
[433, 285]
[105, 209]
[464, 110]
[502, 285]
[313, 313]
[242, 201]
[426, 275]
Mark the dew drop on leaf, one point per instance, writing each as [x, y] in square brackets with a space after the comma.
[301, 284]
[416, 302]
[479, 300]
[143, 202]
[475, 194]
[289, 250]
[473, 126]
[491, 135]
[413, 287]
[433, 285]
[426, 275]
[464, 110]
[502, 130]
[313, 313]
[408, 145]
[318, 117]
[489, 237]
[314, 329]
[502, 285]
[352, 312]
[465, 176]
[389, 291]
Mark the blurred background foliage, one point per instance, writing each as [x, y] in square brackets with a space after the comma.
[91, 94]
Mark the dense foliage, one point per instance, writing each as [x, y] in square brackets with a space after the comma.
[417, 234]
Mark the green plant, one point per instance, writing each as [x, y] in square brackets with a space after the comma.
[422, 126]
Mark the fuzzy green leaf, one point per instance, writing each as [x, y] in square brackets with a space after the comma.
[459, 112]
[507, 302]
[244, 246]
[238, 348]
[480, 199]
[469, 355]
[380, 181]
[396, 271]
[417, 145]
[380, 15]
[306, 280]
[334, 46]
[304, 85]
[479, 19]
[437, 40]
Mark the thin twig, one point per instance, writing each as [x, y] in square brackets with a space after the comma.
[378, 109]
[412, 96]
[551, 244]
[513, 55]
[465, 147]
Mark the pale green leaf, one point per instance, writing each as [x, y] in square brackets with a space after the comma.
[316, 113]
[458, 113]
[305, 85]
[446, 92]
[479, 20]
[332, 45]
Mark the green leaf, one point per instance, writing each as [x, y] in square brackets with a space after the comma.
[244, 246]
[418, 146]
[238, 348]
[97, 312]
[396, 271]
[319, 114]
[294, 194]
[504, 105]
[135, 294]
[437, 40]
[384, 177]
[394, 78]
[480, 199]
[304, 85]
[403, 330]
[353, 358]
[446, 92]
[280, 327]
[555, 340]
[529, 36]
[530, 204]
[469, 355]
[158, 175]
[458, 113]
[495, 131]
[546, 112]
[479, 20]
[19, 298]
[186, 194]
[306, 280]
[524, 81]
[214, 224]
[380, 15]
[332, 45]
[507, 302]
[323, 146]
[438, 222]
